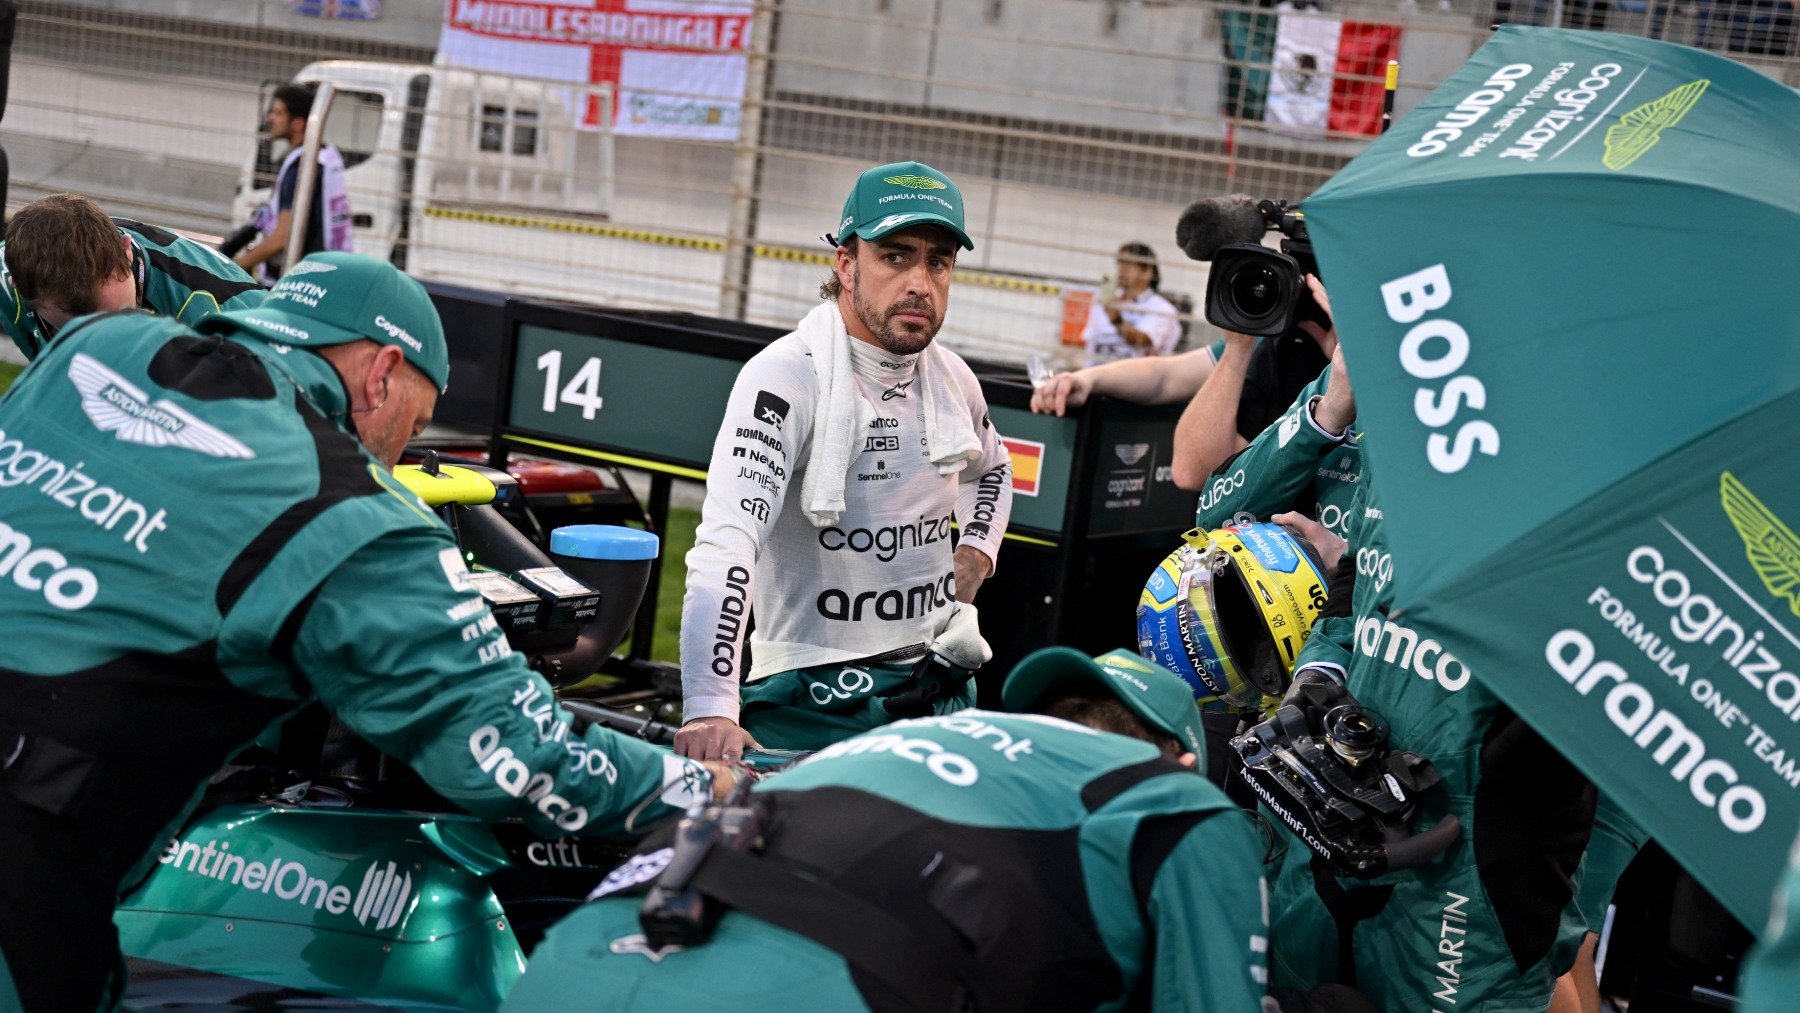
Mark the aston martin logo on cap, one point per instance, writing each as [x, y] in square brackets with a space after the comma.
[914, 182]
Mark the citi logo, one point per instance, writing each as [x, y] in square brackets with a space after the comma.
[381, 899]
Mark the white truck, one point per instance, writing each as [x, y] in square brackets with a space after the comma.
[508, 184]
[450, 170]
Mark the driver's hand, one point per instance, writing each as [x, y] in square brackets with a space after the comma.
[725, 777]
[1062, 392]
[1326, 542]
[716, 738]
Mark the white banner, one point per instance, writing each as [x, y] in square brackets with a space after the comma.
[677, 67]
[1306, 50]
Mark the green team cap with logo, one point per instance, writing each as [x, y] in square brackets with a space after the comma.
[900, 195]
[1153, 693]
[332, 298]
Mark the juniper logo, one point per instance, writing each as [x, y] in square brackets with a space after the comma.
[381, 899]
[1638, 130]
[1771, 546]
[914, 182]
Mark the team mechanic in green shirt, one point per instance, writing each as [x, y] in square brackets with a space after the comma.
[1491, 923]
[198, 533]
[64, 258]
[1064, 856]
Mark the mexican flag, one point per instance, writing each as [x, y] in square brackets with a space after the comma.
[1303, 72]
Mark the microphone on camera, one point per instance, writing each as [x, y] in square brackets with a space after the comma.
[1214, 222]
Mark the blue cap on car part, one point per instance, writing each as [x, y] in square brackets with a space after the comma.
[604, 541]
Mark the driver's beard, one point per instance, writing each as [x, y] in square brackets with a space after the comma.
[895, 342]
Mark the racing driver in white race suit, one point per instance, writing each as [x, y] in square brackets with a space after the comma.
[847, 449]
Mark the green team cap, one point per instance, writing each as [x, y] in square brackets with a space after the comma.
[900, 195]
[1159, 696]
[333, 298]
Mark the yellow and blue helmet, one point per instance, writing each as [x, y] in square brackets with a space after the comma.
[1228, 610]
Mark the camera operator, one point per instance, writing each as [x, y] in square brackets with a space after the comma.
[1308, 460]
[1238, 390]
[1251, 290]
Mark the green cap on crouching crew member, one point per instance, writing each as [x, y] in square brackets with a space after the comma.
[333, 298]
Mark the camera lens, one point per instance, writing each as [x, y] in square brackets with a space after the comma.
[1255, 290]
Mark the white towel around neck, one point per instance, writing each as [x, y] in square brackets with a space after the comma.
[840, 416]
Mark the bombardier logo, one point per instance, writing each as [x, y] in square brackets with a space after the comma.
[381, 899]
[116, 405]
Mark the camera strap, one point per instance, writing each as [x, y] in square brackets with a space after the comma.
[927, 970]
[1347, 906]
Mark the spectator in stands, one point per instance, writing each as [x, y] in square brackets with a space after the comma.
[328, 225]
[1134, 320]
[1237, 389]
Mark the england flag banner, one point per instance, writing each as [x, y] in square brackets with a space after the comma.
[677, 67]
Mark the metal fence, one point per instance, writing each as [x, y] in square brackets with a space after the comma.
[1072, 125]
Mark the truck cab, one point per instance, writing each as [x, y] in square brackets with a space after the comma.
[430, 150]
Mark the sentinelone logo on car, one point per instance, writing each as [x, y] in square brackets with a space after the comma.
[379, 902]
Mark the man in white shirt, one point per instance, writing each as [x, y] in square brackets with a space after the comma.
[848, 449]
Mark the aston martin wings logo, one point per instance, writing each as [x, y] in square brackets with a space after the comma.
[118, 406]
[914, 182]
[1771, 546]
[1638, 130]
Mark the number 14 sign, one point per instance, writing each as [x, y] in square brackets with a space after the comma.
[583, 389]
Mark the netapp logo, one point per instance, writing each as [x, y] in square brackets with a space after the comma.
[752, 454]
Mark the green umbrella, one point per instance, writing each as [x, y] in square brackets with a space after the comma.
[1568, 287]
